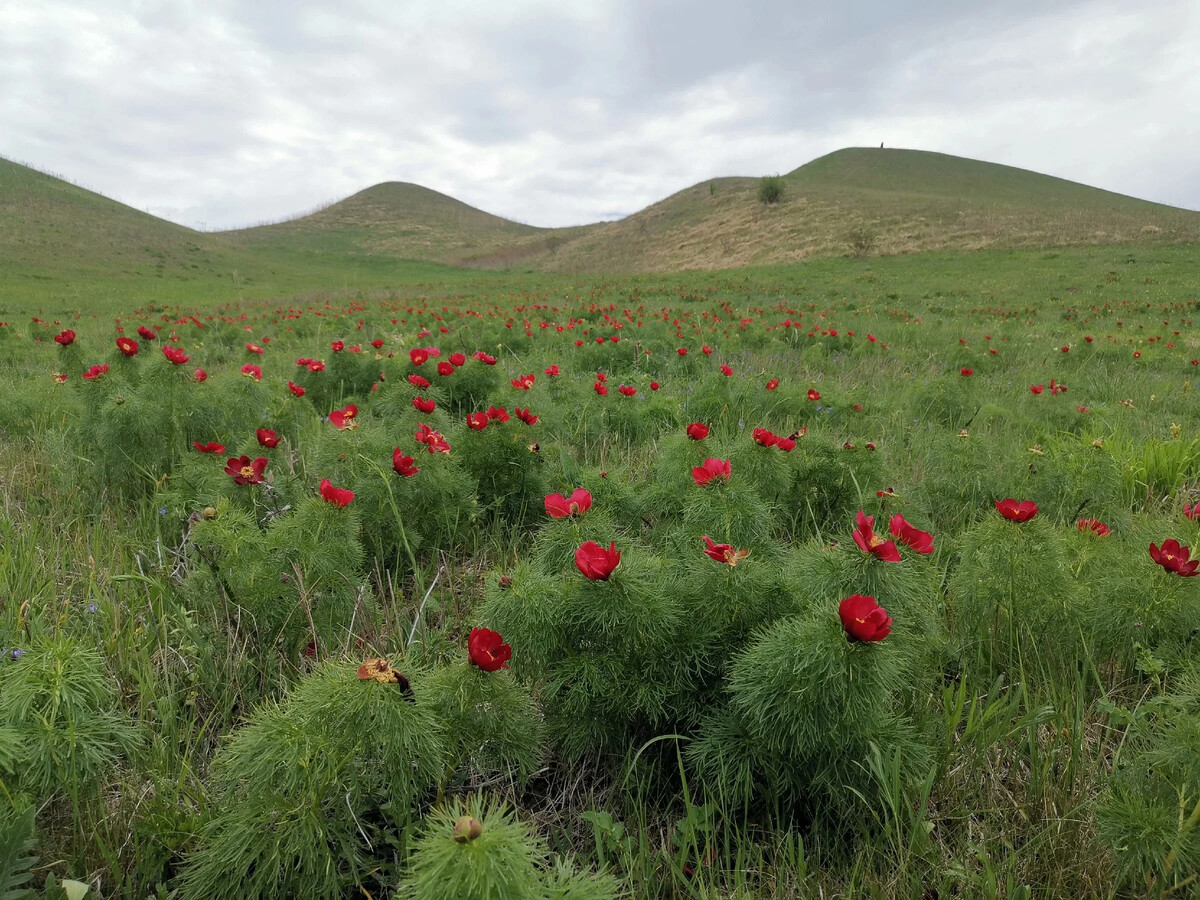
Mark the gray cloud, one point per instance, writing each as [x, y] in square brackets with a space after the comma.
[229, 113]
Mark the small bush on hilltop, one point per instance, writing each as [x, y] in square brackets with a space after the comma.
[770, 189]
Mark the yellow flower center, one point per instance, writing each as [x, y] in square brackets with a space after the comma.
[247, 471]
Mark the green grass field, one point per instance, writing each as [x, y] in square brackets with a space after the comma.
[192, 698]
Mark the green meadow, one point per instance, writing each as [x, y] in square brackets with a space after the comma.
[870, 573]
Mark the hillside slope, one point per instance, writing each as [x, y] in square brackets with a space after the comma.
[401, 220]
[893, 201]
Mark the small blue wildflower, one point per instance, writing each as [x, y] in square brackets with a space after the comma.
[16, 653]
[162, 510]
[91, 607]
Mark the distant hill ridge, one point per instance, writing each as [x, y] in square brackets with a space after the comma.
[856, 200]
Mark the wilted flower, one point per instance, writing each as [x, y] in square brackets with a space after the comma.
[559, 507]
[864, 619]
[1016, 512]
[486, 649]
[595, 562]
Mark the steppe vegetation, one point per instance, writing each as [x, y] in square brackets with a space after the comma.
[862, 576]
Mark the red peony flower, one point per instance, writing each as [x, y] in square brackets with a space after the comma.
[296, 389]
[560, 507]
[966, 373]
[813, 395]
[726, 370]
[66, 337]
[682, 351]
[595, 562]
[1016, 512]
[444, 368]
[337, 346]
[267, 437]
[626, 390]
[210, 447]
[712, 469]
[697, 431]
[869, 542]
[864, 619]
[1192, 512]
[146, 333]
[1036, 388]
[418, 355]
[345, 418]
[600, 388]
[552, 370]
[487, 650]
[525, 415]
[499, 413]
[423, 405]
[244, 471]
[1093, 526]
[921, 541]
[765, 438]
[175, 355]
[457, 359]
[418, 382]
[403, 464]
[1174, 558]
[336, 496]
[377, 343]
[477, 421]
[654, 385]
[97, 371]
[431, 439]
[706, 350]
[128, 346]
[316, 366]
[252, 371]
[724, 552]
[772, 384]
[254, 348]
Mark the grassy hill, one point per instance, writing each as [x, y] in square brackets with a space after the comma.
[402, 220]
[894, 201]
[62, 243]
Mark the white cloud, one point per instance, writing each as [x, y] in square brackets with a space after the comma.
[553, 113]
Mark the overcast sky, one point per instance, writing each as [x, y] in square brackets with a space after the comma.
[223, 113]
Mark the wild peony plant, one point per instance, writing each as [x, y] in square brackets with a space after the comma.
[63, 729]
[477, 848]
[491, 722]
[1014, 590]
[286, 586]
[805, 700]
[313, 794]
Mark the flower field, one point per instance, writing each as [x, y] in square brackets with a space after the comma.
[876, 579]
